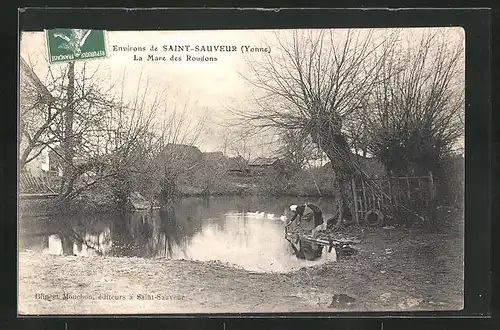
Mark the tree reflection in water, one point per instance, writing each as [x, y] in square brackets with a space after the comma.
[78, 235]
[246, 231]
[173, 232]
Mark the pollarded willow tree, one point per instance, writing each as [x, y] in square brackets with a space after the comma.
[315, 81]
[415, 115]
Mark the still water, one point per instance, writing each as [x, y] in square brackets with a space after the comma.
[247, 232]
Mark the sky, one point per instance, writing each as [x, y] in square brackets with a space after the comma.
[207, 88]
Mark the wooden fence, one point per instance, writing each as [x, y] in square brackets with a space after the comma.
[391, 196]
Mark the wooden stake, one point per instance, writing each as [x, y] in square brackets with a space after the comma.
[408, 189]
[355, 215]
[390, 191]
[431, 179]
[364, 195]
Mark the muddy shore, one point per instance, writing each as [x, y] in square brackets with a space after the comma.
[395, 270]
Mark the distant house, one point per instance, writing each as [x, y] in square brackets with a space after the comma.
[237, 165]
[216, 160]
[263, 165]
[39, 166]
[214, 157]
[56, 160]
[32, 88]
[34, 98]
[181, 154]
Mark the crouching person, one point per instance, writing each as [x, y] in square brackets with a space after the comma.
[309, 218]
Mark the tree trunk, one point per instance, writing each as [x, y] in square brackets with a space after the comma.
[67, 242]
[338, 153]
[67, 145]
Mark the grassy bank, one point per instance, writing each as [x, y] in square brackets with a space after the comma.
[398, 269]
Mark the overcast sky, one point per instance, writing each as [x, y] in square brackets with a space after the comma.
[207, 87]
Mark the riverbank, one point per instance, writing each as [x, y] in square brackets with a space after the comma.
[395, 270]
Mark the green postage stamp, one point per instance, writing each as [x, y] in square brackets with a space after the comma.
[67, 45]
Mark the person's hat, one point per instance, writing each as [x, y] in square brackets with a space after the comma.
[293, 207]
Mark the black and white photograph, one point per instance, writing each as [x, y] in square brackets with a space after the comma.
[241, 171]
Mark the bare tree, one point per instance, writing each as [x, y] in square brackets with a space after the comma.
[149, 142]
[315, 83]
[66, 107]
[416, 110]
[296, 153]
[85, 104]
[224, 137]
[175, 156]
[357, 129]
[102, 139]
[43, 108]
[239, 146]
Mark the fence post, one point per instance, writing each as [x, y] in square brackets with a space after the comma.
[433, 199]
[390, 190]
[365, 207]
[354, 196]
[408, 189]
[431, 189]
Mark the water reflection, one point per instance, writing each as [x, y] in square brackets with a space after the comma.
[248, 232]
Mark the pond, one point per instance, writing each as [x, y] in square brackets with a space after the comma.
[247, 232]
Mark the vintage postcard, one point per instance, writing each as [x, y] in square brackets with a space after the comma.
[241, 171]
